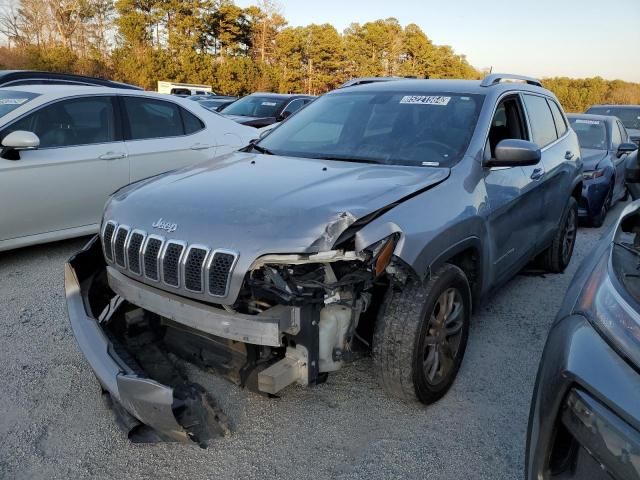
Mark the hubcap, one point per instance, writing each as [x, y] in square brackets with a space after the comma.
[569, 236]
[443, 336]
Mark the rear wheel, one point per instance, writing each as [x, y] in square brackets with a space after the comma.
[557, 256]
[598, 220]
[421, 336]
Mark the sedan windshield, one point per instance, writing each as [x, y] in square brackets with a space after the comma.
[401, 128]
[10, 100]
[254, 106]
[591, 133]
[630, 117]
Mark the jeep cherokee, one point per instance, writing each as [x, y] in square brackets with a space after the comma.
[371, 222]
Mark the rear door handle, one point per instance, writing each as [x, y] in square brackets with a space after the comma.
[112, 156]
[537, 174]
[568, 155]
[200, 146]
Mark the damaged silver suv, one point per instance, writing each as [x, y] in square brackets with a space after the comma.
[371, 222]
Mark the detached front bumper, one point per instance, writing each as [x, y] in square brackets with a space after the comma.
[144, 400]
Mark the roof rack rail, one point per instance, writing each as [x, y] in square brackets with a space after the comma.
[495, 78]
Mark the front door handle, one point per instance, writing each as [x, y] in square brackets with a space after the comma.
[537, 174]
[112, 156]
[568, 155]
[200, 146]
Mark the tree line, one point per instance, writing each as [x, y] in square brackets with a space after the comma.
[239, 50]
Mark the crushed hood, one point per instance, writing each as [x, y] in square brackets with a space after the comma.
[257, 204]
[592, 157]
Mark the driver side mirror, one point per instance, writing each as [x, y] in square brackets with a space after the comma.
[17, 141]
[626, 147]
[514, 153]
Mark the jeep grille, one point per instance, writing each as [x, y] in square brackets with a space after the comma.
[174, 263]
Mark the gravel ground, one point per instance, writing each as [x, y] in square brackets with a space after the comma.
[53, 423]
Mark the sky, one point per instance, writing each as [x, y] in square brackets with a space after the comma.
[541, 38]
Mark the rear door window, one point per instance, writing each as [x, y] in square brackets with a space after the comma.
[151, 118]
[78, 121]
[558, 118]
[543, 127]
[192, 124]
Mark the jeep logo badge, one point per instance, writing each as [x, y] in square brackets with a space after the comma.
[164, 225]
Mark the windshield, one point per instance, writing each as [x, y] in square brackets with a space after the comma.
[404, 128]
[10, 100]
[255, 106]
[630, 117]
[591, 133]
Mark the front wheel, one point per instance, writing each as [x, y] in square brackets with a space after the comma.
[421, 336]
[557, 256]
[599, 219]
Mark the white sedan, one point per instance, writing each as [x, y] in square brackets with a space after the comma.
[65, 149]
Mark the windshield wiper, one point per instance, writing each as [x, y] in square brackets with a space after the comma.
[262, 150]
[349, 159]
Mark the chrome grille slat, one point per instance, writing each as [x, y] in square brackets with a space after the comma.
[119, 243]
[107, 237]
[219, 271]
[196, 269]
[170, 260]
[134, 247]
[151, 255]
[194, 265]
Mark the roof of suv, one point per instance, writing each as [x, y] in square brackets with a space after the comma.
[452, 86]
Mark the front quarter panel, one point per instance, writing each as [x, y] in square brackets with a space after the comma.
[437, 223]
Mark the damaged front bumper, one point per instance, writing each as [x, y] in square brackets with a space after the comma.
[183, 413]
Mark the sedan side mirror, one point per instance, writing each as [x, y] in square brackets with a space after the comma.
[515, 153]
[626, 147]
[17, 141]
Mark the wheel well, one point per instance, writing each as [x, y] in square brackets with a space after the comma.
[468, 261]
[577, 192]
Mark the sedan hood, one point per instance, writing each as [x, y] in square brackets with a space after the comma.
[591, 158]
[258, 204]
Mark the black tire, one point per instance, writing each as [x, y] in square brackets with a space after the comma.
[599, 219]
[557, 256]
[411, 360]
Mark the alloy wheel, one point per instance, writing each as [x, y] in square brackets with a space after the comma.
[442, 342]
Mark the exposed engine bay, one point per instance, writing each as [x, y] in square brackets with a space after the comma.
[333, 297]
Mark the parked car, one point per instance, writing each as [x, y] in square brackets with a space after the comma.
[262, 109]
[65, 149]
[214, 103]
[605, 148]
[628, 114]
[585, 412]
[15, 78]
[374, 219]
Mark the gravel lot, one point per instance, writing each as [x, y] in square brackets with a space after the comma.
[53, 423]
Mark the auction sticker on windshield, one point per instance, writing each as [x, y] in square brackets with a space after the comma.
[425, 100]
[588, 122]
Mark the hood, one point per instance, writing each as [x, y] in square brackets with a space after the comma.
[257, 204]
[592, 157]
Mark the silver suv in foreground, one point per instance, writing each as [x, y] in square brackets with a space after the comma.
[371, 222]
